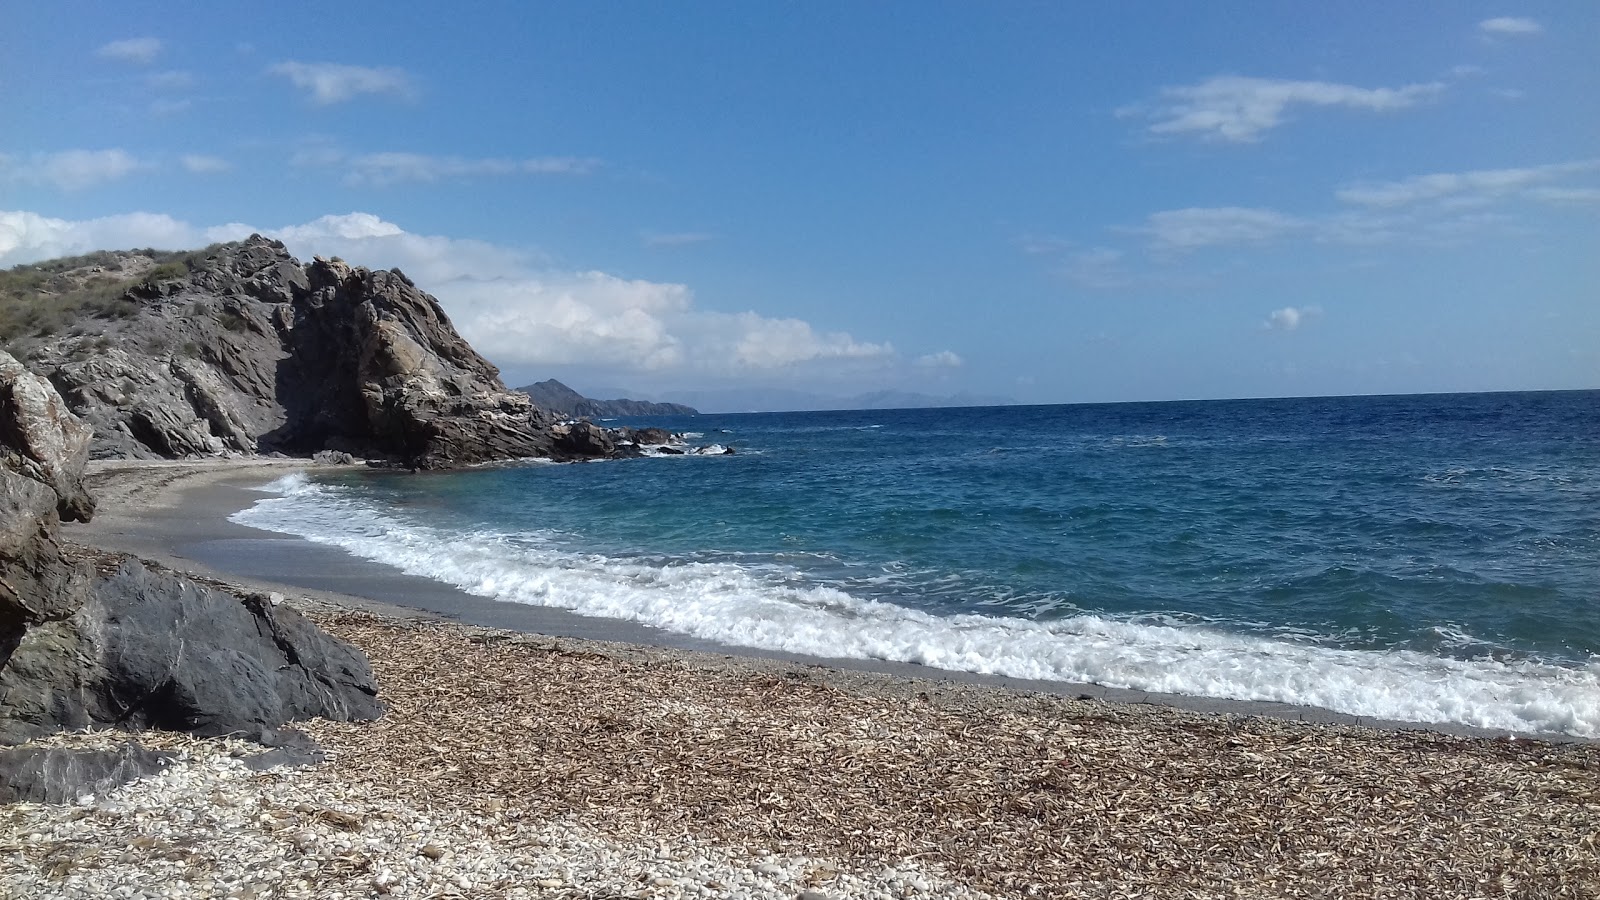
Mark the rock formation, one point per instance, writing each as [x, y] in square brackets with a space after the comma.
[559, 400]
[136, 648]
[251, 351]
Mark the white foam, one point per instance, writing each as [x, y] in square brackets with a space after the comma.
[771, 608]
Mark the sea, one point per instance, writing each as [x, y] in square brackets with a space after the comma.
[1426, 558]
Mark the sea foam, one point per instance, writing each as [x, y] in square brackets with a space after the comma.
[773, 608]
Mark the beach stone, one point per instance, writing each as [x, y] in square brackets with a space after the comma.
[62, 775]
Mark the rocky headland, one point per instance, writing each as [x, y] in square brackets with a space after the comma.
[241, 349]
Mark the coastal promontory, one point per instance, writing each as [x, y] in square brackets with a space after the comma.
[242, 349]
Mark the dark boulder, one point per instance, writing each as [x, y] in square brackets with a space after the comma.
[581, 440]
[151, 650]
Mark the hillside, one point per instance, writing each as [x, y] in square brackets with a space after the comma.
[560, 400]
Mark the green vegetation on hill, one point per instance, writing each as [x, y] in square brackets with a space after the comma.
[46, 298]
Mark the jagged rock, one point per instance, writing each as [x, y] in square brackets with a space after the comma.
[152, 650]
[43, 448]
[253, 352]
[43, 440]
[62, 775]
[581, 440]
[651, 437]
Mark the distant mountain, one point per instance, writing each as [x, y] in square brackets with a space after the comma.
[779, 400]
[557, 398]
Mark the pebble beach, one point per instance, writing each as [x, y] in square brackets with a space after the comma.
[521, 765]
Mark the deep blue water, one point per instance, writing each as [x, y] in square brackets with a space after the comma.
[1434, 558]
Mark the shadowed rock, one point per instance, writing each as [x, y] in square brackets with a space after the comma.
[151, 650]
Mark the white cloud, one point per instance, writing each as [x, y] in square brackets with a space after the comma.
[509, 308]
[1196, 227]
[139, 51]
[381, 169]
[944, 359]
[676, 239]
[29, 237]
[1512, 26]
[70, 170]
[201, 164]
[329, 83]
[1238, 109]
[1291, 318]
[1461, 188]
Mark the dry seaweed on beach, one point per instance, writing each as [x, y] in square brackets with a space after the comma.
[1011, 793]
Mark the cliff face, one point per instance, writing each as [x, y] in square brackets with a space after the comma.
[560, 400]
[244, 349]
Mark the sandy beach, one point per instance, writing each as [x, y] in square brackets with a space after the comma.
[530, 752]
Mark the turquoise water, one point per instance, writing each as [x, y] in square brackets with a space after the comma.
[1429, 558]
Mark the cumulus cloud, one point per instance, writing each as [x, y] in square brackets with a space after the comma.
[328, 83]
[1237, 109]
[1510, 26]
[1196, 227]
[200, 164]
[510, 308]
[29, 237]
[1478, 186]
[944, 359]
[70, 170]
[139, 51]
[1291, 318]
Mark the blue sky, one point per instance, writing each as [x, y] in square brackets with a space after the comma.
[1049, 202]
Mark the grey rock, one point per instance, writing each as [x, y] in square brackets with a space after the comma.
[151, 650]
[253, 352]
[139, 648]
[43, 448]
[62, 775]
[333, 458]
[581, 440]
